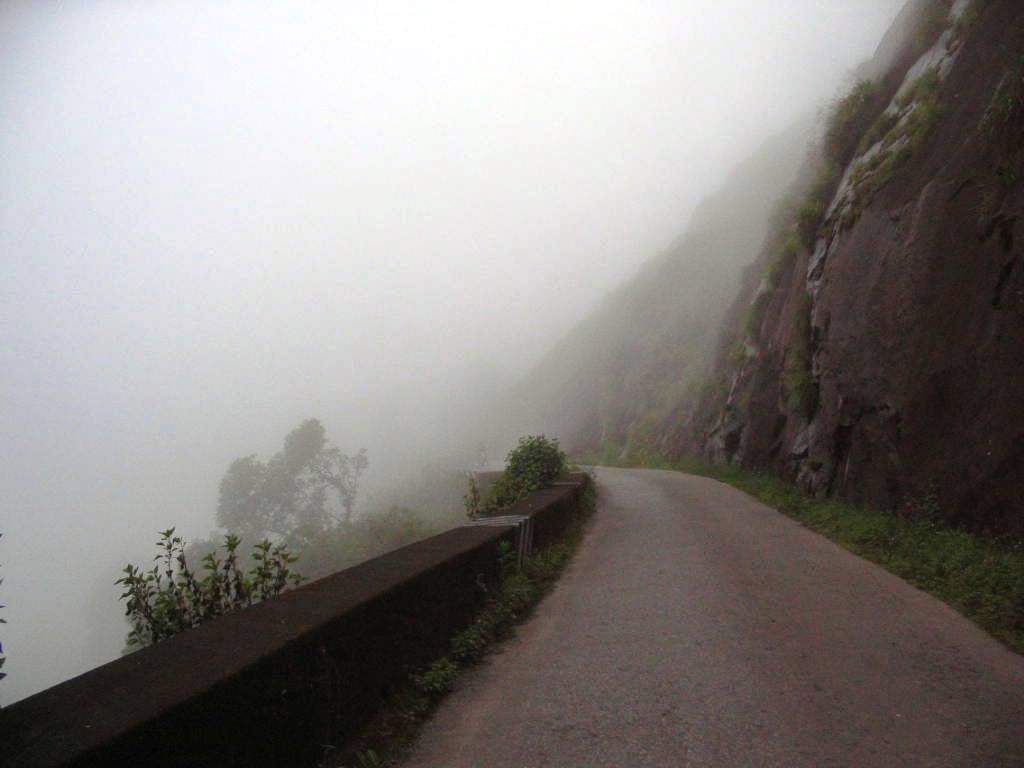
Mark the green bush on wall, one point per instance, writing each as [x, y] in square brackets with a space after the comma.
[533, 464]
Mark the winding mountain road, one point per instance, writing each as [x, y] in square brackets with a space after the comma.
[697, 627]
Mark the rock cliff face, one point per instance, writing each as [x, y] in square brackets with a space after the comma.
[881, 356]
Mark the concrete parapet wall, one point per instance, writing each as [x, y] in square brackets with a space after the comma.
[272, 684]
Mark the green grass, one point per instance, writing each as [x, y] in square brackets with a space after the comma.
[851, 117]
[981, 577]
[393, 731]
[879, 130]
[872, 176]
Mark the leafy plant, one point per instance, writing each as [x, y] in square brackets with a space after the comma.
[438, 679]
[534, 463]
[170, 597]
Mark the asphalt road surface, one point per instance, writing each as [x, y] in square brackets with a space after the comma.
[697, 627]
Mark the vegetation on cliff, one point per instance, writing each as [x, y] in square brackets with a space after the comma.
[875, 318]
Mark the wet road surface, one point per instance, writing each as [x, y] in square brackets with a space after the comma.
[697, 627]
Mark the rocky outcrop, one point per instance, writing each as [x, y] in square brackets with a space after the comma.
[886, 362]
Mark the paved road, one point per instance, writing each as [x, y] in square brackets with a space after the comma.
[697, 627]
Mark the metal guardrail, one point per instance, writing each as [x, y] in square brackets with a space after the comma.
[524, 532]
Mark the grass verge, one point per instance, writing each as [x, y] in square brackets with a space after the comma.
[981, 577]
[520, 590]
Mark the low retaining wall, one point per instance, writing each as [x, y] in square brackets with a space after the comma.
[551, 509]
[271, 685]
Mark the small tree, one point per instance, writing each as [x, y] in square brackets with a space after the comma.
[303, 489]
[170, 597]
[341, 473]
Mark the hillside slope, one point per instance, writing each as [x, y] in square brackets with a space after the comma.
[626, 370]
[885, 361]
[860, 331]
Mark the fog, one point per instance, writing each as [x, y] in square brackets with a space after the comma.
[218, 219]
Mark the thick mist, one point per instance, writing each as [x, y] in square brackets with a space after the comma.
[218, 219]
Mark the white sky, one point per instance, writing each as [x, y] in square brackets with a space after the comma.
[219, 218]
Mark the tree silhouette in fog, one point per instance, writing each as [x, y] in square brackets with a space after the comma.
[306, 487]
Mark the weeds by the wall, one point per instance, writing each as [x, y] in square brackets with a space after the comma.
[171, 597]
[519, 591]
[534, 463]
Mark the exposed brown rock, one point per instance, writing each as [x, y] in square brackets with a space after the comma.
[918, 325]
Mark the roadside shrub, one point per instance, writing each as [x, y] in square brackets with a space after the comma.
[533, 464]
[169, 597]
